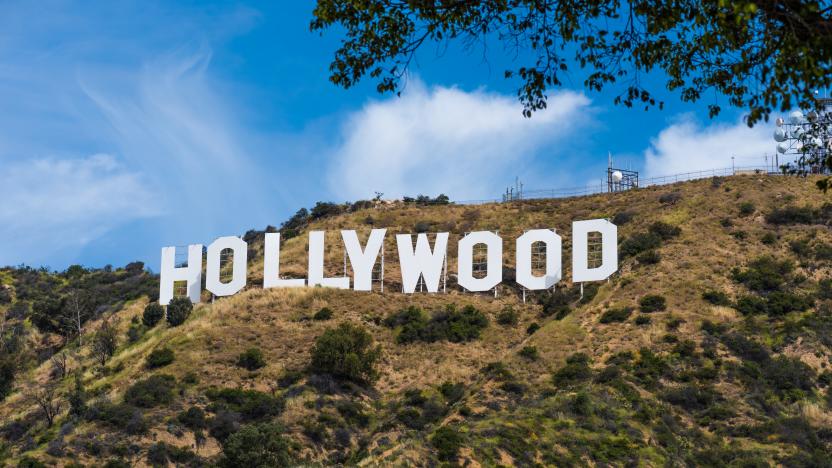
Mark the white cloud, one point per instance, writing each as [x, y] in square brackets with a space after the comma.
[445, 140]
[687, 146]
[51, 204]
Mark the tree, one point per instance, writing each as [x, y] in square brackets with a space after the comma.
[346, 352]
[75, 313]
[178, 310]
[105, 342]
[759, 55]
[60, 366]
[48, 402]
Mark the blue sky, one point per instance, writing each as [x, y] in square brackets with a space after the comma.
[126, 127]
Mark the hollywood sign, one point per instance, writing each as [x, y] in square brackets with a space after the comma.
[417, 261]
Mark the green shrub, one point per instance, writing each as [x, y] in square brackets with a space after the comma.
[825, 289]
[746, 208]
[768, 238]
[642, 320]
[179, 309]
[529, 352]
[664, 231]
[619, 314]
[533, 327]
[652, 303]
[638, 243]
[822, 252]
[622, 217]
[353, 413]
[764, 274]
[123, 417]
[324, 314]
[447, 441]
[251, 359]
[792, 215]
[8, 369]
[800, 247]
[346, 352]
[152, 314]
[750, 305]
[452, 392]
[449, 324]
[193, 418]
[153, 391]
[251, 404]
[576, 370]
[507, 317]
[651, 257]
[781, 303]
[258, 445]
[558, 303]
[159, 357]
[718, 298]
[670, 198]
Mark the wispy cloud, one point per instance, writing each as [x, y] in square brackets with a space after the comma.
[687, 145]
[50, 205]
[446, 140]
[113, 116]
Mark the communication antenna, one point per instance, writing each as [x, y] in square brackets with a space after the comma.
[806, 137]
[619, 180]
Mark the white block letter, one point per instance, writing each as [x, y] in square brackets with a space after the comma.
[609, 250]
[316, 264]
[466, 259]
[553, 272]
[170, 273]
[362, 261]
[421, 261]
[271, 265]
[238, 269]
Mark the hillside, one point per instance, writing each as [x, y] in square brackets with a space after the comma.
[710, 347]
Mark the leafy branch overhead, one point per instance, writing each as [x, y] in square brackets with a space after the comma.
[759, 55]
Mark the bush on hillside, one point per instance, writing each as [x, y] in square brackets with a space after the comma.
[768, 238]
[153, 391]
[449, 324]
[670, 198]
[746, 208]
[346, 352]
[718, 298]
[251, 359]
[622, 217]
[123, 417]
[178, 310]
[792, 215]
[159, 358]
[508, 317]
[533, 327]
[258, 445]
[651, 257]
[324, 314]
[619, 314]
[558, 303]
[447, 441]
[638, 243]
[529, 352]
[193, 418]
[642, 320]
[576, 370]
[152, 314]
[764, 274]
[664, 230]
[652, 303]
[250, 404]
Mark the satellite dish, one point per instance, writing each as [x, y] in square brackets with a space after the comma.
[796, 117]
[617, 176]
[780, 134]
[782, 147]
[798, 132]
[779, 121]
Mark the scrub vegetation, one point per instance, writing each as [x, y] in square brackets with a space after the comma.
[716, 355]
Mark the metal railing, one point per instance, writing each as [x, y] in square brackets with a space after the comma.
[599, 188]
